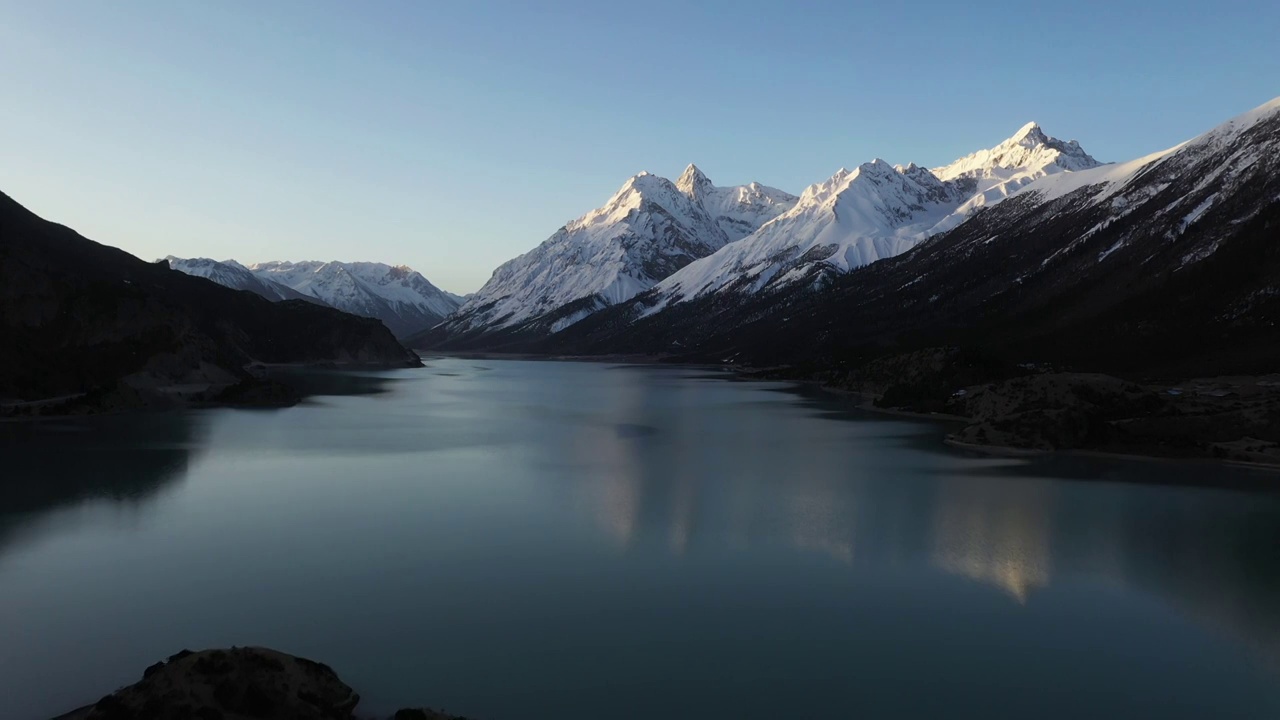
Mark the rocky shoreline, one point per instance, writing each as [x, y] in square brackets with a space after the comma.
[238, 683]
[1028, 409]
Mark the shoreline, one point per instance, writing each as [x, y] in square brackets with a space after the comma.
[866, 402]
[181, 396]
[859, 400]
[621, 358]
[1001, 451]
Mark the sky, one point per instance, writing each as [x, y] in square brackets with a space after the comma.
[453, 136]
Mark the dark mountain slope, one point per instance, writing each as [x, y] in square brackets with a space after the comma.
[77, 316]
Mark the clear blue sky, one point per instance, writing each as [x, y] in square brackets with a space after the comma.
[452, 136]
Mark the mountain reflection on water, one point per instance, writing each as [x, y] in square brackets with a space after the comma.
[1008, 523]
[58, 466]
[126, 460]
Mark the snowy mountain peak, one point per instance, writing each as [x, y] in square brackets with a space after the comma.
[920, 175]
[647, 230]
[1029, 133]
[1250, 141]
[876, 167]
[640, 189]
[818, 192]
[989, 176]
[694, 183]
[643, 182]
[738, 210]
[875, 211]
[1029, 150]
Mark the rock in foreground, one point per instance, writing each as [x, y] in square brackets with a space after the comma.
[236, 684]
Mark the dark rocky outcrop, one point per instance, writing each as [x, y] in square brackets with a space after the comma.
[245, 683]
[82, 320]
[1233, 418]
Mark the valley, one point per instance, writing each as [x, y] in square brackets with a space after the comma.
[593, 361]
[1021, 263]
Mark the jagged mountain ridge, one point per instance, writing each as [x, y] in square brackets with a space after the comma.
[396, 294]
[739, 210]
[874, 212]
[647, 230]
[232, 274]
[852, 219]
[1165, 264]
[1029, 151]
[404, 300]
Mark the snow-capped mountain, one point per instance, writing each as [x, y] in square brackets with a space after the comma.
[852, 219]
[999, 172]
[650, 228]
[1214, 183]
[232, 274]
[404, 300]
[1164, 264]
[874, 212]
[1027, 156]
[738, 210]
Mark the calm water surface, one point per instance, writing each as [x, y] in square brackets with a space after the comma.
[526, 540]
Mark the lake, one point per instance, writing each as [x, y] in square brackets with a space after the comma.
[525, 540]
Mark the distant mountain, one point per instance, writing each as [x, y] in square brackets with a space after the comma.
[1167, 264]
[649, 229]
[404, 300]
[397, 295]
[232, 274]
[99, 328]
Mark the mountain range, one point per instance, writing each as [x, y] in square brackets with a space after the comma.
[399, 296]
[1164, 263]
[1023, 219]
[1054, 301]
[650, 228]
[929, 289]
[673, 242]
